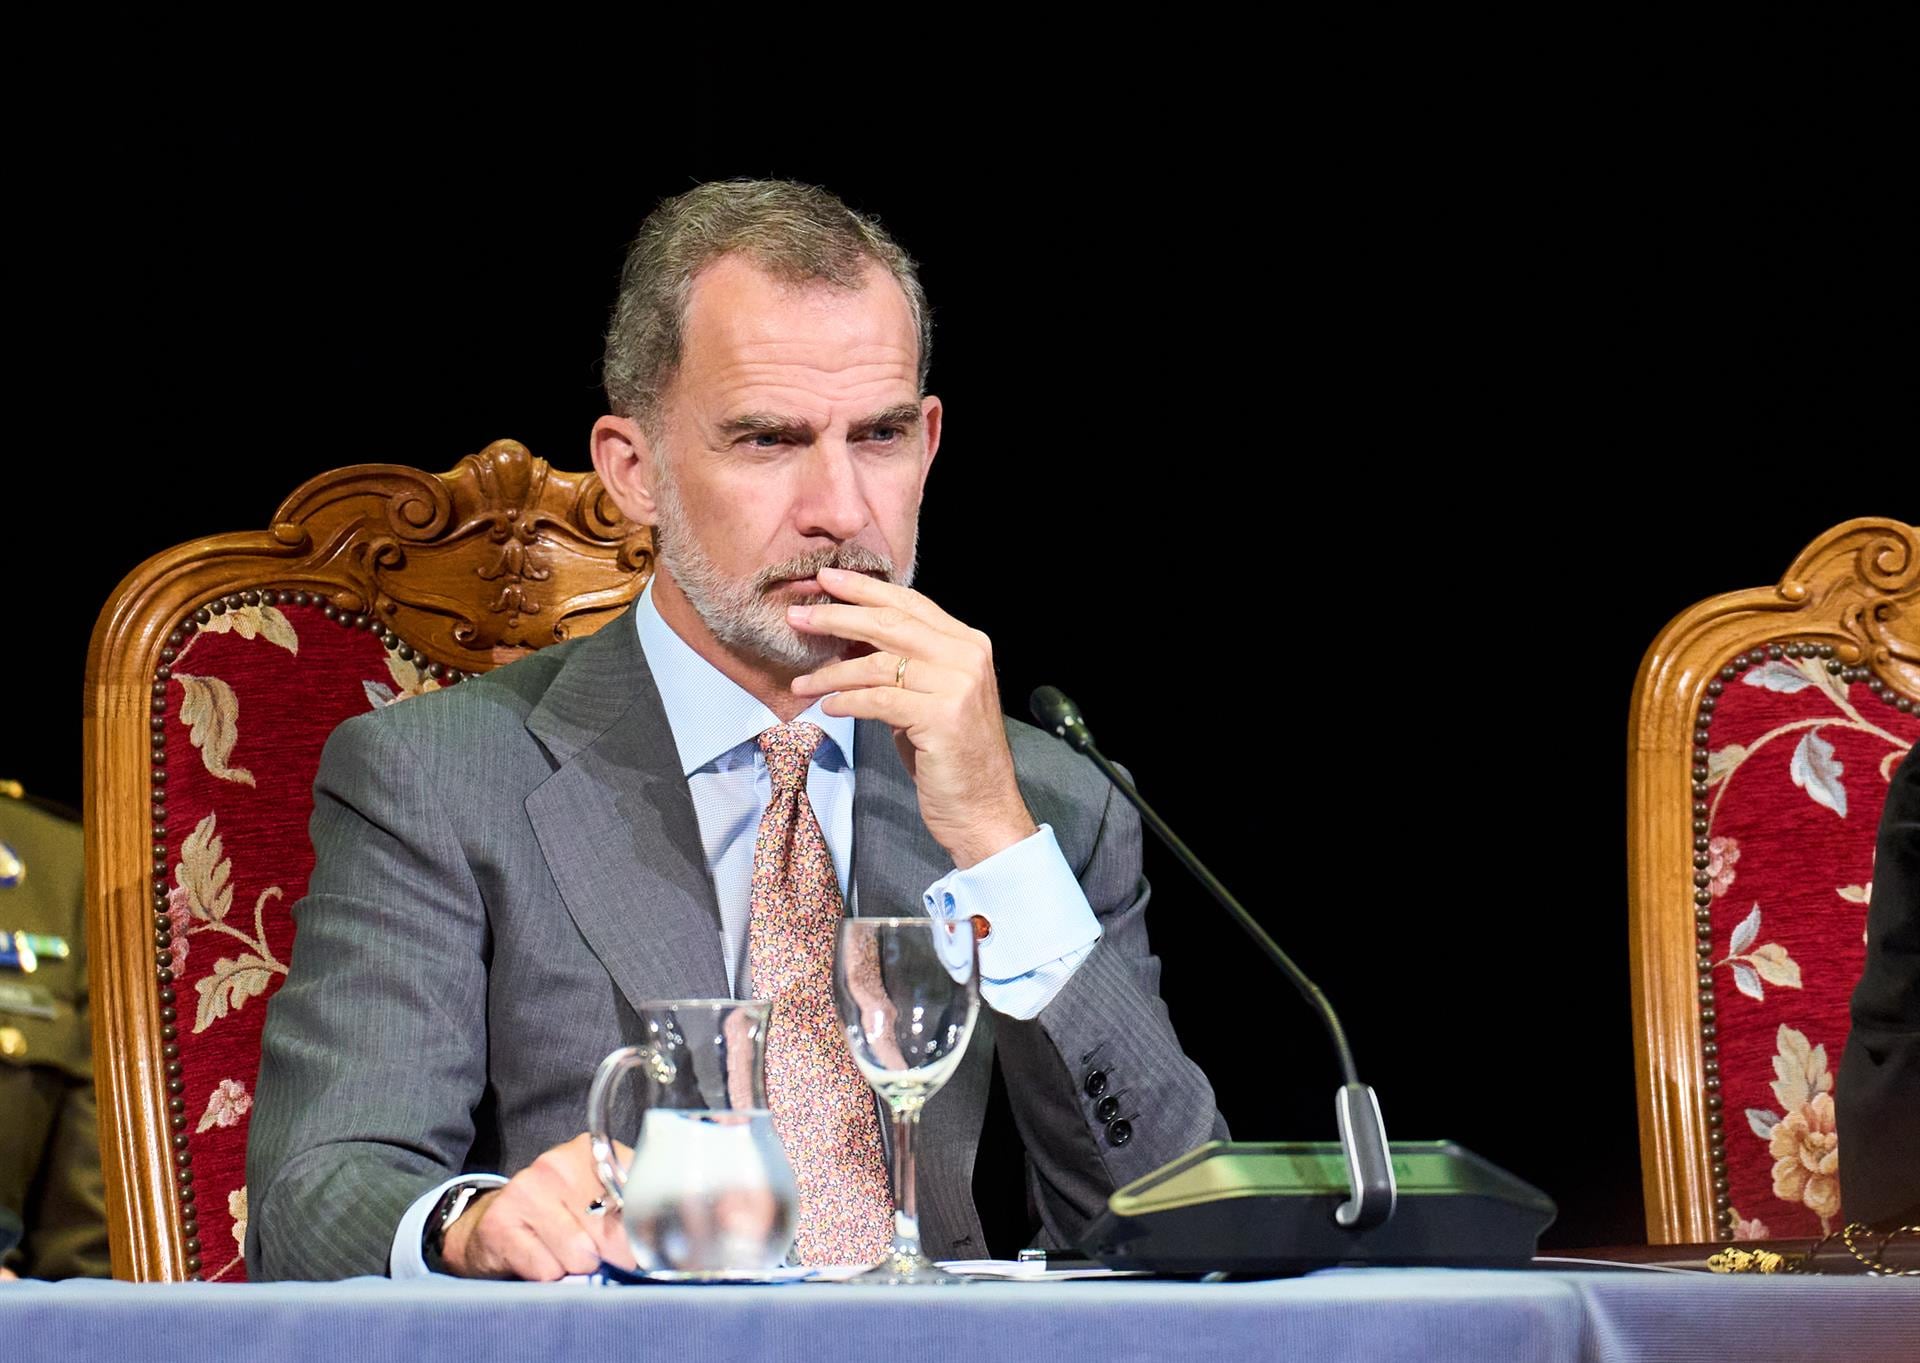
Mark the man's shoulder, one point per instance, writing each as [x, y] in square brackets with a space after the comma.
[1047, 756]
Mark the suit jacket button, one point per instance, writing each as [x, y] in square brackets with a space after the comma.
[1119, 1132]
[1107, 1108]
[1096, 1083]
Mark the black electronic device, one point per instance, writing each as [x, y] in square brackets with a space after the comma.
[1251, 1207]
[1262, 1207]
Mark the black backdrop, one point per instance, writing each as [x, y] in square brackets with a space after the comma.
[1343, 491]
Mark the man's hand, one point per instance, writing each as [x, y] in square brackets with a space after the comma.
[944, 709]
[538, 1227]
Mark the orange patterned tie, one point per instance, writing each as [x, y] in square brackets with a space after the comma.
[822, 1109]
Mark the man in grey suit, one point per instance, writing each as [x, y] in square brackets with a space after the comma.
[508, 869]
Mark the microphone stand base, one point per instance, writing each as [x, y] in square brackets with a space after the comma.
[1253, 1207]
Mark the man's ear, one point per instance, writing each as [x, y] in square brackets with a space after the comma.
[931, 413]
[623, 458]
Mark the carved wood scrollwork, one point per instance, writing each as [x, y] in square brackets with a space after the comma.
[1865, 577]
[501, 555]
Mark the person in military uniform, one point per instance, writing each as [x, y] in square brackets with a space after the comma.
[49, 1126]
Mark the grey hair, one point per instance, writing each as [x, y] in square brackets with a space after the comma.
[797, 233]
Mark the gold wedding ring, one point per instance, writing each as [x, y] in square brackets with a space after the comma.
[900, 672]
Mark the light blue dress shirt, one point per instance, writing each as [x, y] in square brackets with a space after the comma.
[1043, 927]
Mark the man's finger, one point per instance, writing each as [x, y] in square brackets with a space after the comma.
[880, 669]
[885, 627]
[572, 1164]
[864, 590]
[559, 1186]
[562, 1232]
[501, 1244]
[524, 1256]
[889, 704]
[610, 1234]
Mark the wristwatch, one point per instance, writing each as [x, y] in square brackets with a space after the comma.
[453, 1202]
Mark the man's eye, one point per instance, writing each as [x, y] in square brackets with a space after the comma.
[884, 434]
[766, 440]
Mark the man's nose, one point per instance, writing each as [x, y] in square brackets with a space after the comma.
[831, 502]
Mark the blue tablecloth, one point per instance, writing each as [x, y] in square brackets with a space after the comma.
[1372, 1314]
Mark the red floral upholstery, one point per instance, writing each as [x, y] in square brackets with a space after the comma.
[249, 698]
[1799, 756]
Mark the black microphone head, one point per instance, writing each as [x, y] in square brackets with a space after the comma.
[1051, 708]
[1055, 713]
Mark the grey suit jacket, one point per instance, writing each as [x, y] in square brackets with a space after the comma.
[506, 869]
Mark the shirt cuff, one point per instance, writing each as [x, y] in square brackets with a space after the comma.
[408, 1259]
[1043, 927]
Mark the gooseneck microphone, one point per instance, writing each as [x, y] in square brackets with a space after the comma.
[1057, 714]
[1362, 1133]
[1465, 1210]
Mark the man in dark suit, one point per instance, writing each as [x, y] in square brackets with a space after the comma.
[1878, 1096]
[507, 870]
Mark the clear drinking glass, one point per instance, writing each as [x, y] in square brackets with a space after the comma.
[908, 992]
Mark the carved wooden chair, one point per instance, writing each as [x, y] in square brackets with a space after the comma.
[1765, 728]
[216, 672]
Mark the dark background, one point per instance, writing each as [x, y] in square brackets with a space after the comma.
[1342, 473]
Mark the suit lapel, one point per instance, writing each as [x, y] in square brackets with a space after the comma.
[616, 825]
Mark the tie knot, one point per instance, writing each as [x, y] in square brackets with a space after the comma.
[789, 747]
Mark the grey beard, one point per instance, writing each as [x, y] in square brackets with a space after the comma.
[740, 613]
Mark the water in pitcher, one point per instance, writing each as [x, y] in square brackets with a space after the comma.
[710, 1194]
